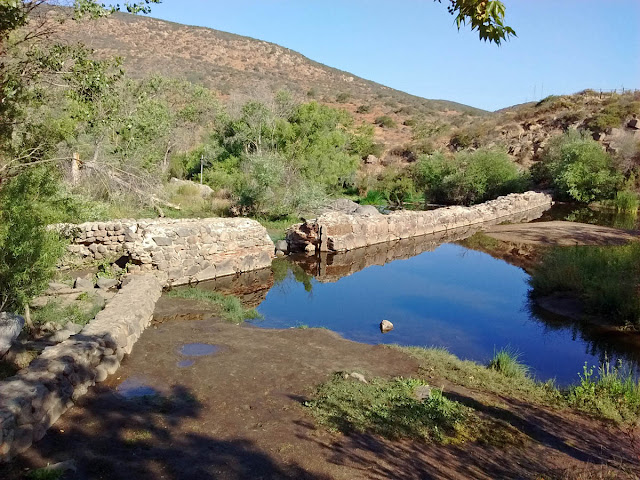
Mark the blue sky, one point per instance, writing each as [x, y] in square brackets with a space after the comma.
[563, 46]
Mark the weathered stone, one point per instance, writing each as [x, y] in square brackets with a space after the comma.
[386, 326]
[10, 327]
[282, 246]
[106, 283]
[84, 284]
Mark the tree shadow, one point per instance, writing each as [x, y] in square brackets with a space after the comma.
[112, 437]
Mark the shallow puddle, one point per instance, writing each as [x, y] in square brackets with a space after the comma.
[135, 387]
[198, 350]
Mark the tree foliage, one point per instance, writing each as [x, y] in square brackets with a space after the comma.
[484, 16]
[580, 169]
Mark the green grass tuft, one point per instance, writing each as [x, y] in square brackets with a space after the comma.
[229, 307]
[45, 474]
[388, 408]
[507, 362]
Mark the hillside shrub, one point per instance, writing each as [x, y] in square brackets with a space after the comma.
[385, 121]
[468, 178]
[363, 109]
[343, 97]
[580, 169]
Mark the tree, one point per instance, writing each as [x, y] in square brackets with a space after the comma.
[485, 16]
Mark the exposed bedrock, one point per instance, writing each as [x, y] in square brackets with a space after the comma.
[338, 231]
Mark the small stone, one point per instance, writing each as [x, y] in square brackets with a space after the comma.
[386, 326]
[282, 246]
[358, 376]
[84, 284]
[280, 253]
[163, 241]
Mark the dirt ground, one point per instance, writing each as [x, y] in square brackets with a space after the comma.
[239, 414]
[561, 234]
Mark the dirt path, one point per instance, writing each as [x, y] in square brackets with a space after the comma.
[239, 414]
[561, 233]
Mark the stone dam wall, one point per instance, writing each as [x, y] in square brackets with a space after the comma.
[32, 400]
[328, 267]
[191, 250]
[341, 232]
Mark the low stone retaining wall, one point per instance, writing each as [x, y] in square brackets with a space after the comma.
[341, 232]
[186, 250]
[36, 397]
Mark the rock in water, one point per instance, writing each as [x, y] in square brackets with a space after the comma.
[10, 327]
[282, 246]
[386, 326]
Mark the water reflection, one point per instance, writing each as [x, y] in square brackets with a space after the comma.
[584, 214]
[437, 294]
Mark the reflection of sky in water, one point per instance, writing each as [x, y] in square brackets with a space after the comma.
[456, 298]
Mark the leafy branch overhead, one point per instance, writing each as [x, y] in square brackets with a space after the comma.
[485, 16]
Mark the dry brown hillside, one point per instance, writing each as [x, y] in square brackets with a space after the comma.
[234, 65]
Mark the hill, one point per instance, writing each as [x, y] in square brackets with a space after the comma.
[236, 66]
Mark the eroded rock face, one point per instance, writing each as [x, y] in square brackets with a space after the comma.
[10, 327]
[338, 231]
[186, 251]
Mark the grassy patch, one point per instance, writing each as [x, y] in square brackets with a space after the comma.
[45, 474]
[439, 363]
[507, 362]
[229, 307]
[388, 408]
[612, 392]
[605, 278]
[81, 312]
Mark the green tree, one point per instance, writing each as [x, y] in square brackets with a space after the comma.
[580, 169]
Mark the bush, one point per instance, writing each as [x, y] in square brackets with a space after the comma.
[385, 121]
[626, 201]
[363, 109]
[579, 169]
[28, 251]
[606, 279]
[468, 178]
[343, 97]
[269, 186]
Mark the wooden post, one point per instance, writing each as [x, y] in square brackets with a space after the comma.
[75, 168]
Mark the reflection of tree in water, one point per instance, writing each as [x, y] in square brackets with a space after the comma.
[282, 267]
[604, 343]
[584, 214]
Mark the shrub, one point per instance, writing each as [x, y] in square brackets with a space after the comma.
[468, 177]
[270, 186]
[385, 121]
[363, 109]
[626, 201]
[28, 251]
[579, 169]
[343, 97]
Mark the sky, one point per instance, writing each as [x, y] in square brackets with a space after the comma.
[563, 46]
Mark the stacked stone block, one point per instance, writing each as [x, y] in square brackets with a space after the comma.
[32, 400]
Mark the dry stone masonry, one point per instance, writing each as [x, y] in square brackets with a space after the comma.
[186, 250]
[32, 400]
[341, 232]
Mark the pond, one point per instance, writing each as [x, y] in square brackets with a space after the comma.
[447, 296]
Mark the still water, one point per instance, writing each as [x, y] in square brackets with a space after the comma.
[463, 300]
